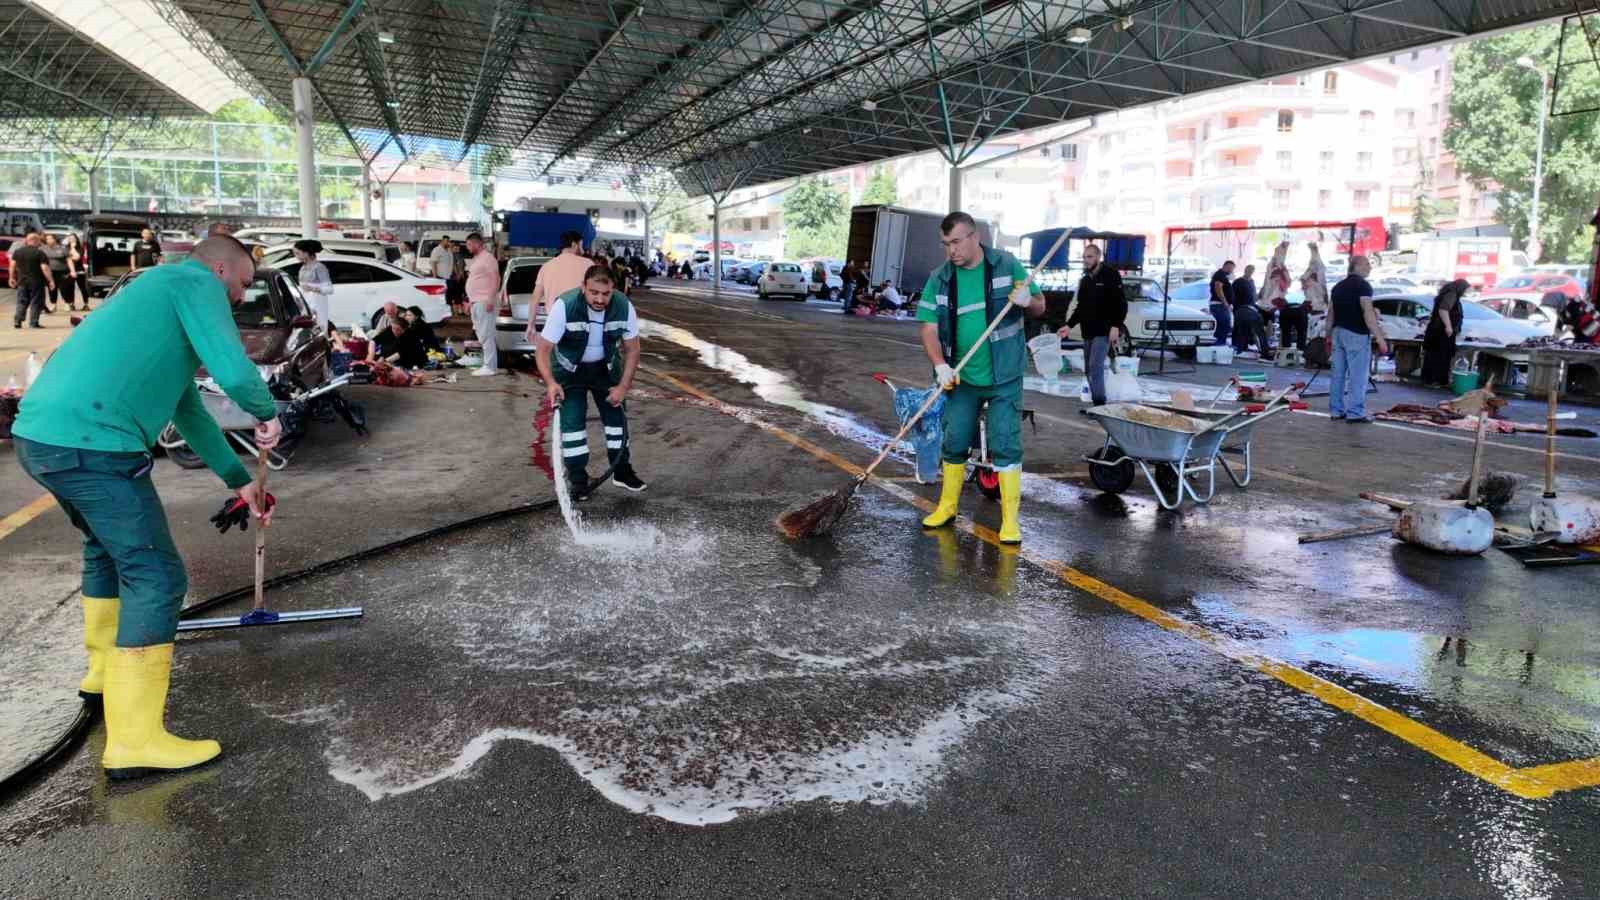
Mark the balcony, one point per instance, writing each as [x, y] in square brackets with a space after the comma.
[1243, 137]
[1181, 149]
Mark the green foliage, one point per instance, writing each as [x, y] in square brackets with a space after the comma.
[811, 206]
[1494, 114]
[682, 214]
[1424, 208]
[247, 112]
[828, 241]
[881, 188]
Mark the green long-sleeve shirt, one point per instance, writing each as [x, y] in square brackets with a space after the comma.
[129, 368]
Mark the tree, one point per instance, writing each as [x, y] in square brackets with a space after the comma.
[827, 241]
[881, 188]
[247, 112]
[1424, 210]
[1494, 111]
[811, 205]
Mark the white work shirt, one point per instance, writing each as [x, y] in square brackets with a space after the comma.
[892, 296]
[443, 261]
[555, 328]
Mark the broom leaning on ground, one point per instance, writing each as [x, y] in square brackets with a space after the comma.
[819, 516]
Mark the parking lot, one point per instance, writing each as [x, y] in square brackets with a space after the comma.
[1135, 703]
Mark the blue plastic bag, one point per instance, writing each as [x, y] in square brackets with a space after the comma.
[927, 438]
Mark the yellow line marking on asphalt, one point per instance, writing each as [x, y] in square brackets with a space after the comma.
[1532, 783]
[1567, 776]
[25, 515]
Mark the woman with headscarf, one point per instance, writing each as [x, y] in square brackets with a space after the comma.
[77, 266]
[314, 280]
[1444, 328]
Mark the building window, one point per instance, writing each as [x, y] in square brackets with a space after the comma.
[1285, 161]
[1069, 183]
[1325, 165]
[1366, 120]
[1330, 83]
[1138, 207]
[1438, 75]
[593, 214]
[1105, 142]
[1285, 120]
[1406, 118]
[1324, 199]
[1364, 161]
[630, 216]
[1400, 198]
[765, 223]
[1433, 112]
[1362, 199]
[744, 224]
[1280, 198]
[1044, 151]
[1433, 146]
[1404, 155]
[1069, 152]
[1233, 122]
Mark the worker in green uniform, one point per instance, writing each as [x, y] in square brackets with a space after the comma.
[961, 298]
[84, 433]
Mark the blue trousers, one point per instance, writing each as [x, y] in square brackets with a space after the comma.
[1351, 358]
[1224, 316]
[1095, 363]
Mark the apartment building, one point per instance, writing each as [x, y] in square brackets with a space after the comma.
[1458, 202]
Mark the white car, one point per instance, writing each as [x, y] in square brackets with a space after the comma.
[389, 253]
[1188, 325]
[361, 286]
[1405, 317]
[784, 278]
[831, 287]
[516, 296]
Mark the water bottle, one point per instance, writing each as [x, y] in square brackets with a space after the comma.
[31, 372]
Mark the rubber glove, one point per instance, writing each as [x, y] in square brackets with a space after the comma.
[1021, 296]
[947, 376]
[235, 511]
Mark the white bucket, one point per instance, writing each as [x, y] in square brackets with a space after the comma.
[1127, 365]
[1222, 356]
[1047, 355]
[1074, 360]
[1205, 354]
[1446, 527]
[1576, 518]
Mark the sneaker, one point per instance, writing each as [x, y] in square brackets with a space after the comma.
[626, 477]
[1358, 420]
[485, 370]
[580, 486]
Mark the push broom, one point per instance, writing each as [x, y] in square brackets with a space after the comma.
[259, 614]
[819, 516]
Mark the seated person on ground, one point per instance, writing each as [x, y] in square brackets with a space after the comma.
[398, 346]
[419, 327]
[889, 299]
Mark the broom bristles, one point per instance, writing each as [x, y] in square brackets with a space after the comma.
[819, 516]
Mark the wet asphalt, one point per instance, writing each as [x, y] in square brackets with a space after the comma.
[685, 705]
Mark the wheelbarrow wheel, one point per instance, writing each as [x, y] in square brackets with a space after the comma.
[1167, 478]
[989, 483]
[1113, 479]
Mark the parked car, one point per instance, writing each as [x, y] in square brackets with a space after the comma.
[389, 253]
[750, 273]
[110, 240]
[516, 297]
[1187, 324]
[5, 254]
[830, 284]
[1521, 309]
[361, 286]
[1405, 317]
[175, 251]
[1536, 285]
[783, 278]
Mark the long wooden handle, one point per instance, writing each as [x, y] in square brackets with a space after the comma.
[1550, 447]
[261, 529]
[934, 394]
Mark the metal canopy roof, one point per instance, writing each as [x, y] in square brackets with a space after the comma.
[728, 92]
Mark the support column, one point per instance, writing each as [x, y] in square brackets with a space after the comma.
[955, 188]
[94, 190]
[644, 245]
[304, 119]
[716, 244]
[216, 168]
[366, 197]
[383, 208]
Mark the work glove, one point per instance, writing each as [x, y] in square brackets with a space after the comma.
[1021, 296]
[946, 375]
[235, 511]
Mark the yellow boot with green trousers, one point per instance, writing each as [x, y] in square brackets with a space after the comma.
[955, 474]
[1010, 505]
[137, 742]
[99, 636]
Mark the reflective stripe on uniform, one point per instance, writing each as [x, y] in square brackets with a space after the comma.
[582, 450]
[941, 300]
[614, 445]
[574, 435]
[614, 429]
[1000, 281]
[577, 326]
[616, 326]
[970, 307]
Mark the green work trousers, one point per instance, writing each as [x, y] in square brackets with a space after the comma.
[1004, 421]
[591, 379]
[127, 549]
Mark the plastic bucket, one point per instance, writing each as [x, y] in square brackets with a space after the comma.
[1222, 356]
[1461, 382]
[1074, 360]
[1126, 365]
[1046, 354]
[1205, 354]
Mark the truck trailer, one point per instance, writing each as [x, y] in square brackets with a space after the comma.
[899, 245]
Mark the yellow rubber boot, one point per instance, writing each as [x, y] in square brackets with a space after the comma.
[949, 496]
[137, 743]
[99, 636]
[1010, 503]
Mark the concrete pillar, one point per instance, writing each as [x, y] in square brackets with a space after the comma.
[645, 244]
[94, 190]
[383, 208]
[955, 188]
[304, 119]
[216, 168]
[366, 197]
[716, 245]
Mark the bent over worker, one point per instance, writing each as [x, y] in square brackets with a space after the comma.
[975, 285]
[84, 433]
[592, 335]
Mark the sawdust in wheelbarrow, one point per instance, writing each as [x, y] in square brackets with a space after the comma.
[1158, 418]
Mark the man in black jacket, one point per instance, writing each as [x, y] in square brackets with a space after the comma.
[1100, 308]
